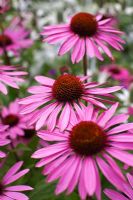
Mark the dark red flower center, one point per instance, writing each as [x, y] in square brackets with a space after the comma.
[5, 40]
[87, 138]
[84, 24]
[1, 188]
[115, 71]
[11, 120]
[29, 133]
[67, 88]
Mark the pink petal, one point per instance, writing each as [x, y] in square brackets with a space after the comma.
[44, 115]
[130, 179]
[81, 52]
[89, 112]
[68, 44]
[114, 165]
[3, 88]
[67, 177]
[60, 170]
[116, 120]
[12, 171]
[16, 195]
[50, 158]
[110, 174]
[121, 128]
[64, 117]
[75, 178]
[89, 176]
[15, 177]
[45, 80]
[107, 115]
[76, 50]
[52, 120]
[19, 188]
[81, 186]
[2, 155]
[121, 138]
[113, 195]
[47, 151]
[105, 90]
[46, 135]
[123, 156]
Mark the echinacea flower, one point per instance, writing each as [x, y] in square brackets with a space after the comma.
[91, 143]
[10, 76]
[125, 194]
[29, 133]
[14, 122]
[115, 71]
[3, 142]
[4, 6]
[118, 73]
[113, 19]
[84, 34]
[14, 38]
[13, 192]
[58, 98]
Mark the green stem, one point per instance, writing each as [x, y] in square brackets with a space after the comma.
[85, 64]
[15, 154]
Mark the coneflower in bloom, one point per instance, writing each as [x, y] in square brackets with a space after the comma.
[125, 194]
[10, 76]
[63, 95]
[84, 34]
[4, 6]
[14, 122]
[91, 142]
[113, 19]
[118, 73]
[13, 192]
[115, 71]
[14, 38]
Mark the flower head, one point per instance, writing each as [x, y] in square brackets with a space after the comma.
[125, 194]
[88, 145]
[118, 73]
[13, 192]
[4, 6]
[13, 121]
[64, 95]
[10, 76]
[84, 34]
[14, 38]
[115, 71]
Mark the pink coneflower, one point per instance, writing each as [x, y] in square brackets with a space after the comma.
[10, 76]
[91, 141]
[125, 194]
[14, 38]
[63, 95]
[3, 142]
[13, 192]
[116, 72]
[84, 34]
[4, 6]
[25, 139]
[113, 19]
[11, 118]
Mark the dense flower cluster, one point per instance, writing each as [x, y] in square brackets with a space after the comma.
[74, 117]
